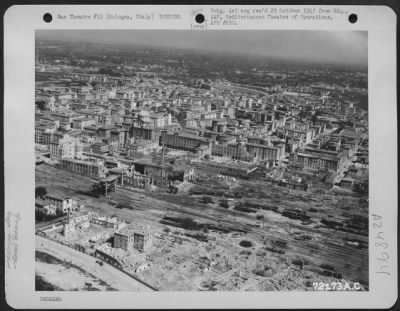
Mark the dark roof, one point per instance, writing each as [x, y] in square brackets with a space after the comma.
[41, 202]
[56, 197]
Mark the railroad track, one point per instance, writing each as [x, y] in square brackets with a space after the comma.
[335, 255]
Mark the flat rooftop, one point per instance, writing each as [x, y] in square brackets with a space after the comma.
[134, 228]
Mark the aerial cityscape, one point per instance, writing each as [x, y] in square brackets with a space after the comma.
[201, 161]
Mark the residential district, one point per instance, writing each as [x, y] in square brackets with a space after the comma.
[150, 178]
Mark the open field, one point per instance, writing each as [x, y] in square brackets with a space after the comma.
[283, 253]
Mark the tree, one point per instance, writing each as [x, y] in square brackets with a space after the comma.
[207, 200]
[41, 104]
[189, 224]
[59, 212]
[98, 188]
[40, 192]
[40, 215]
[224, 204]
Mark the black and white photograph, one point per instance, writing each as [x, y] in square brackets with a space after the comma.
[175, 160]
[200, 157]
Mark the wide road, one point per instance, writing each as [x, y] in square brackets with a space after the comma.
[107, 273]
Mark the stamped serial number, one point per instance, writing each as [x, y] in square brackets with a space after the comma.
[50, 298]
[337, 286]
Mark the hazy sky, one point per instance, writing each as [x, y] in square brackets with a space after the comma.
[342, 47]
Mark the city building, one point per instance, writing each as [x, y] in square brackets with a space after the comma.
[265, 152]
[63, 204]
[66, 148]
[48, 207]
[90, 166]
[100, 148]
[133, 236]
[185, 141]
[318, 162]
[82, 123]
[235, 169]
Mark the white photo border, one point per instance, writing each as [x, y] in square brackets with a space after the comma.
[20, 24]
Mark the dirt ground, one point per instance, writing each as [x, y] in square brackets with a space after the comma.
[285, 254]
[66, 277]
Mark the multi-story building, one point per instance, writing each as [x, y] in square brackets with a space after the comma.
[121, 136]
[48, 137]
[133, 236]
[265, 152]
[160, 120]
[186, 141]
[256, 149]
[319, 162]
[62, 204]
[322, 152]
[83, 122]
[90, 131]
[105, 119]
[235, 151]
[67, 147]
[105, 131]
[39, 132]
[152, 134]
[41, 128]
[100, 148]
[142, 147]
[65, 119]
[255, 115]
[231, 169]
[92, 167]
[304, 135]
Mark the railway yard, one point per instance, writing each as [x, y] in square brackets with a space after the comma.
[221, 233]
